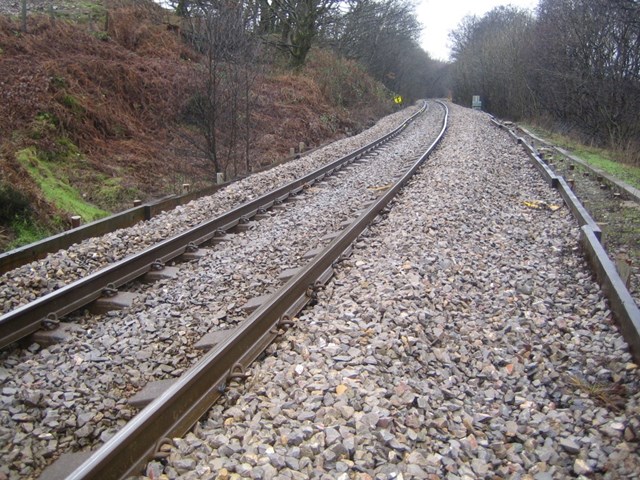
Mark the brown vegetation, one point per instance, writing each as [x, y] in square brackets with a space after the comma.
[109, 104]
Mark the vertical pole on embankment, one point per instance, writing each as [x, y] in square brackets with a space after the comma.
[24, 16]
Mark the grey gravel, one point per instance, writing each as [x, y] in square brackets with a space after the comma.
[464, 337]
[77, 391]
[490, 350]
[38, 278]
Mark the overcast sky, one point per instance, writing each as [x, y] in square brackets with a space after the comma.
[439, 17]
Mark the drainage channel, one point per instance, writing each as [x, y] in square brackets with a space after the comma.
[180, 406]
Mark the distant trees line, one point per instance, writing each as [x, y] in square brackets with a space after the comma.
[576, 64]
[240, 39]
[382, 35]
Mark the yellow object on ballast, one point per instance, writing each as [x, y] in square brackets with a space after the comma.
[540, 205]
[397, 99]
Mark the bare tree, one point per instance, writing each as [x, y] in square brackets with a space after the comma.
[296, 22]
[220, 109]
[383, 36]
[587, 67]
[577, 63]
[490, 56]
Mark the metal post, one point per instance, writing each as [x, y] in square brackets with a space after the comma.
[52, 15]
[24, 16]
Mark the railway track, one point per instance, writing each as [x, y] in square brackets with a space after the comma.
[47, 310]
[463, 335]
[59, 269]
[271, 313]
[463, 338]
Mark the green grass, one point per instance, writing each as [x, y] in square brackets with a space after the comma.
[73, 104]
[26, 231]
[82, 11]
[43, 124]
[54, 186]
[626, 173]
[112, 193]
[597, 157]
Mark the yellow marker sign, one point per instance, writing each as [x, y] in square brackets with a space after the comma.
[397, 99]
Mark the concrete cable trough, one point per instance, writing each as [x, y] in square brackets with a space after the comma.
[622, 303]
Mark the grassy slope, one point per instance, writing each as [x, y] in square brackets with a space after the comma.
[56, 187]
[598, 157]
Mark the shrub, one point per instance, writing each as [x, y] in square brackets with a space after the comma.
[13, 204]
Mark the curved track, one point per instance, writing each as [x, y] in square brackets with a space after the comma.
[184, 402]
[313, 209]
[47, 310]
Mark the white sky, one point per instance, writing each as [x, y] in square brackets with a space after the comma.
[439, 17]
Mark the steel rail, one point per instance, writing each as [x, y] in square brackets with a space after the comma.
[47, 309]
[183, 403]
